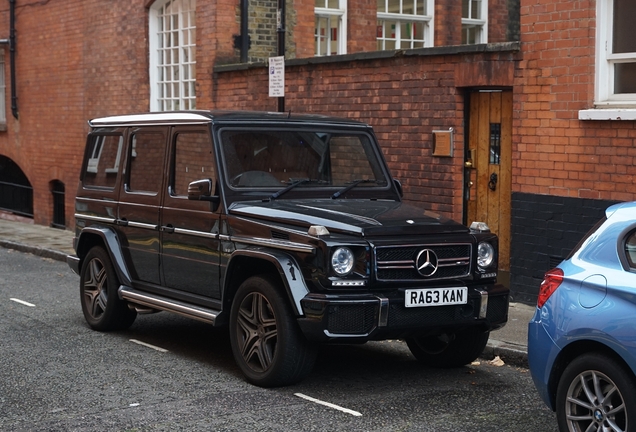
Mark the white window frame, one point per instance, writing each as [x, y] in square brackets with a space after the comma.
[402, 18]
[176, 91]
[607, 104]
[481, 23]
[605, 60]
[330, 14]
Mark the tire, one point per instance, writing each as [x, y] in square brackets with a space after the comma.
[266, 341]
[449, 350]
[612, 401]
[102, 307]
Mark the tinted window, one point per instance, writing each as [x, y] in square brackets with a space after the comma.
[193, 161]
[146, 162]
[272, 158]
[103, 156]
[630, 250]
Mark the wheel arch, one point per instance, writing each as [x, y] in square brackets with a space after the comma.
[244, 264]
[106, 238]
[572, 351]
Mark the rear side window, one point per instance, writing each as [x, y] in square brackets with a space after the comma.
[103, 157]
[630, 250]
[146, 162]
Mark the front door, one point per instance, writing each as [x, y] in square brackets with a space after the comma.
[488, 165]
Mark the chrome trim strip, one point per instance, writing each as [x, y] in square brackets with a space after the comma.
[157, 302]
[142, 225]
[150, 119]
[483, 306]
[196, 233]
[278, 244]
[94, 218]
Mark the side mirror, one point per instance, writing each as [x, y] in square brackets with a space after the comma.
[201, 190]
[398, 186]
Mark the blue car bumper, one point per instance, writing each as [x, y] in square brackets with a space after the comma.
[542, 352]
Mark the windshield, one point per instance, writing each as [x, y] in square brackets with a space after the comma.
[273, 159]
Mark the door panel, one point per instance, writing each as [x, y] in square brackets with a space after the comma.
[488, 164]
[189, 229]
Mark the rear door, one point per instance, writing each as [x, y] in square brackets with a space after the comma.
[140, 200]
[189, 229]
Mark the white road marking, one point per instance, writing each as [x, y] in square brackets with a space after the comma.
[22, 302]
[148, 345]
[327, 404]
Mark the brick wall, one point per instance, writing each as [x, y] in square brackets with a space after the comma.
[557, 154]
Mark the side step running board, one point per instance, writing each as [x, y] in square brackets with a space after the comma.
[162, 303]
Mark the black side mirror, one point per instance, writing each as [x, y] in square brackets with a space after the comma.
[201, 190]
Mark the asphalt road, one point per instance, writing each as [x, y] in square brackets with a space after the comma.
[167, 373]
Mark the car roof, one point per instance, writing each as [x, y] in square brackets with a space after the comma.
[208, 117]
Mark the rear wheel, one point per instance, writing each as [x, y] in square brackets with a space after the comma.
[449, 350]
[596, 393]
[102, 307]
[266, 342]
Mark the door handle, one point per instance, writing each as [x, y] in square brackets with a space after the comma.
[167, 229]
[492, 184]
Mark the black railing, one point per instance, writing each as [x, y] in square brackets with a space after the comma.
[16, 198]
[59, 218]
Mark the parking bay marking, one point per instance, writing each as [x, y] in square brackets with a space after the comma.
[22, 302]
[148, 345]
[327, 404]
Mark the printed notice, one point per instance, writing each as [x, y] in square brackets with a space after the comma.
[277, 76]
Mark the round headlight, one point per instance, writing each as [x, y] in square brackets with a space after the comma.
[342, 261]
[485, 254]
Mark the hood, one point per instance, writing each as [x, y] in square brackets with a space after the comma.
[359, 217]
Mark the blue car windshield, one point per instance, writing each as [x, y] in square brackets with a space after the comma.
[273, 158]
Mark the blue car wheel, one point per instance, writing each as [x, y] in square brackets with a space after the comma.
[595, 393]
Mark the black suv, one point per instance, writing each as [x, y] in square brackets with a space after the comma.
[288, 229]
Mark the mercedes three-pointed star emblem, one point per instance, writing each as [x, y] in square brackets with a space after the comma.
[426, 262]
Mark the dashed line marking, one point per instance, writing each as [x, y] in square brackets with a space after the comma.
[328, 404]
[22, 302]
[148, 345]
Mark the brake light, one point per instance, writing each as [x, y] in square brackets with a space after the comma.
[551, 282]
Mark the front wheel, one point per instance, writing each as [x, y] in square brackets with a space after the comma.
[449, 350]
[596, 393]
[266, 341]
[102, 307]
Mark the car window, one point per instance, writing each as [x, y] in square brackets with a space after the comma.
[103, 157]
[146, 162]
[269, 158]
[630, 250]
[192, 160]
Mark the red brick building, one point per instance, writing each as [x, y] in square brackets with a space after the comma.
[503, 110]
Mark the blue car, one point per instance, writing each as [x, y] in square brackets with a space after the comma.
[582, 337]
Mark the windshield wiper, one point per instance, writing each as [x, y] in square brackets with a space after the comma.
[293, 185]
[354, 184]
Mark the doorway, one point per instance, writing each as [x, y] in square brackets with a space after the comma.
[488, 165]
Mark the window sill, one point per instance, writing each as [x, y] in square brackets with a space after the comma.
[608, 114]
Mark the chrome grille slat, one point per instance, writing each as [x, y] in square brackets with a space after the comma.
[397, 263]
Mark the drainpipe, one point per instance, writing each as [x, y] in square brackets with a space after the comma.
[14, 92]
[242, 41]
[11, 43]
[281, 43]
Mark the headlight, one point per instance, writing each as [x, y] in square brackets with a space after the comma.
[485, 254]
[342, 261]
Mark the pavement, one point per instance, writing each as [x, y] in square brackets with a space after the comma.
[508, 343]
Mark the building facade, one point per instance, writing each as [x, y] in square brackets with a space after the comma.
[507, 111]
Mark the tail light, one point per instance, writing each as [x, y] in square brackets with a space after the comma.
[551, 282]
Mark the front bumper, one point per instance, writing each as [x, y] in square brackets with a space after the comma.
[364, 317]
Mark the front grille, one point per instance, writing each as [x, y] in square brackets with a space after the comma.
[351, 318]
[398, 263]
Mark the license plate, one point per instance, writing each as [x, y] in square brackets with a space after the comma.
[436, 297]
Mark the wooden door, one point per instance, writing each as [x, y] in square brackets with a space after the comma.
[488, 165]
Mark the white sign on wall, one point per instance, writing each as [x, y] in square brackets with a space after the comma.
[277, 76]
